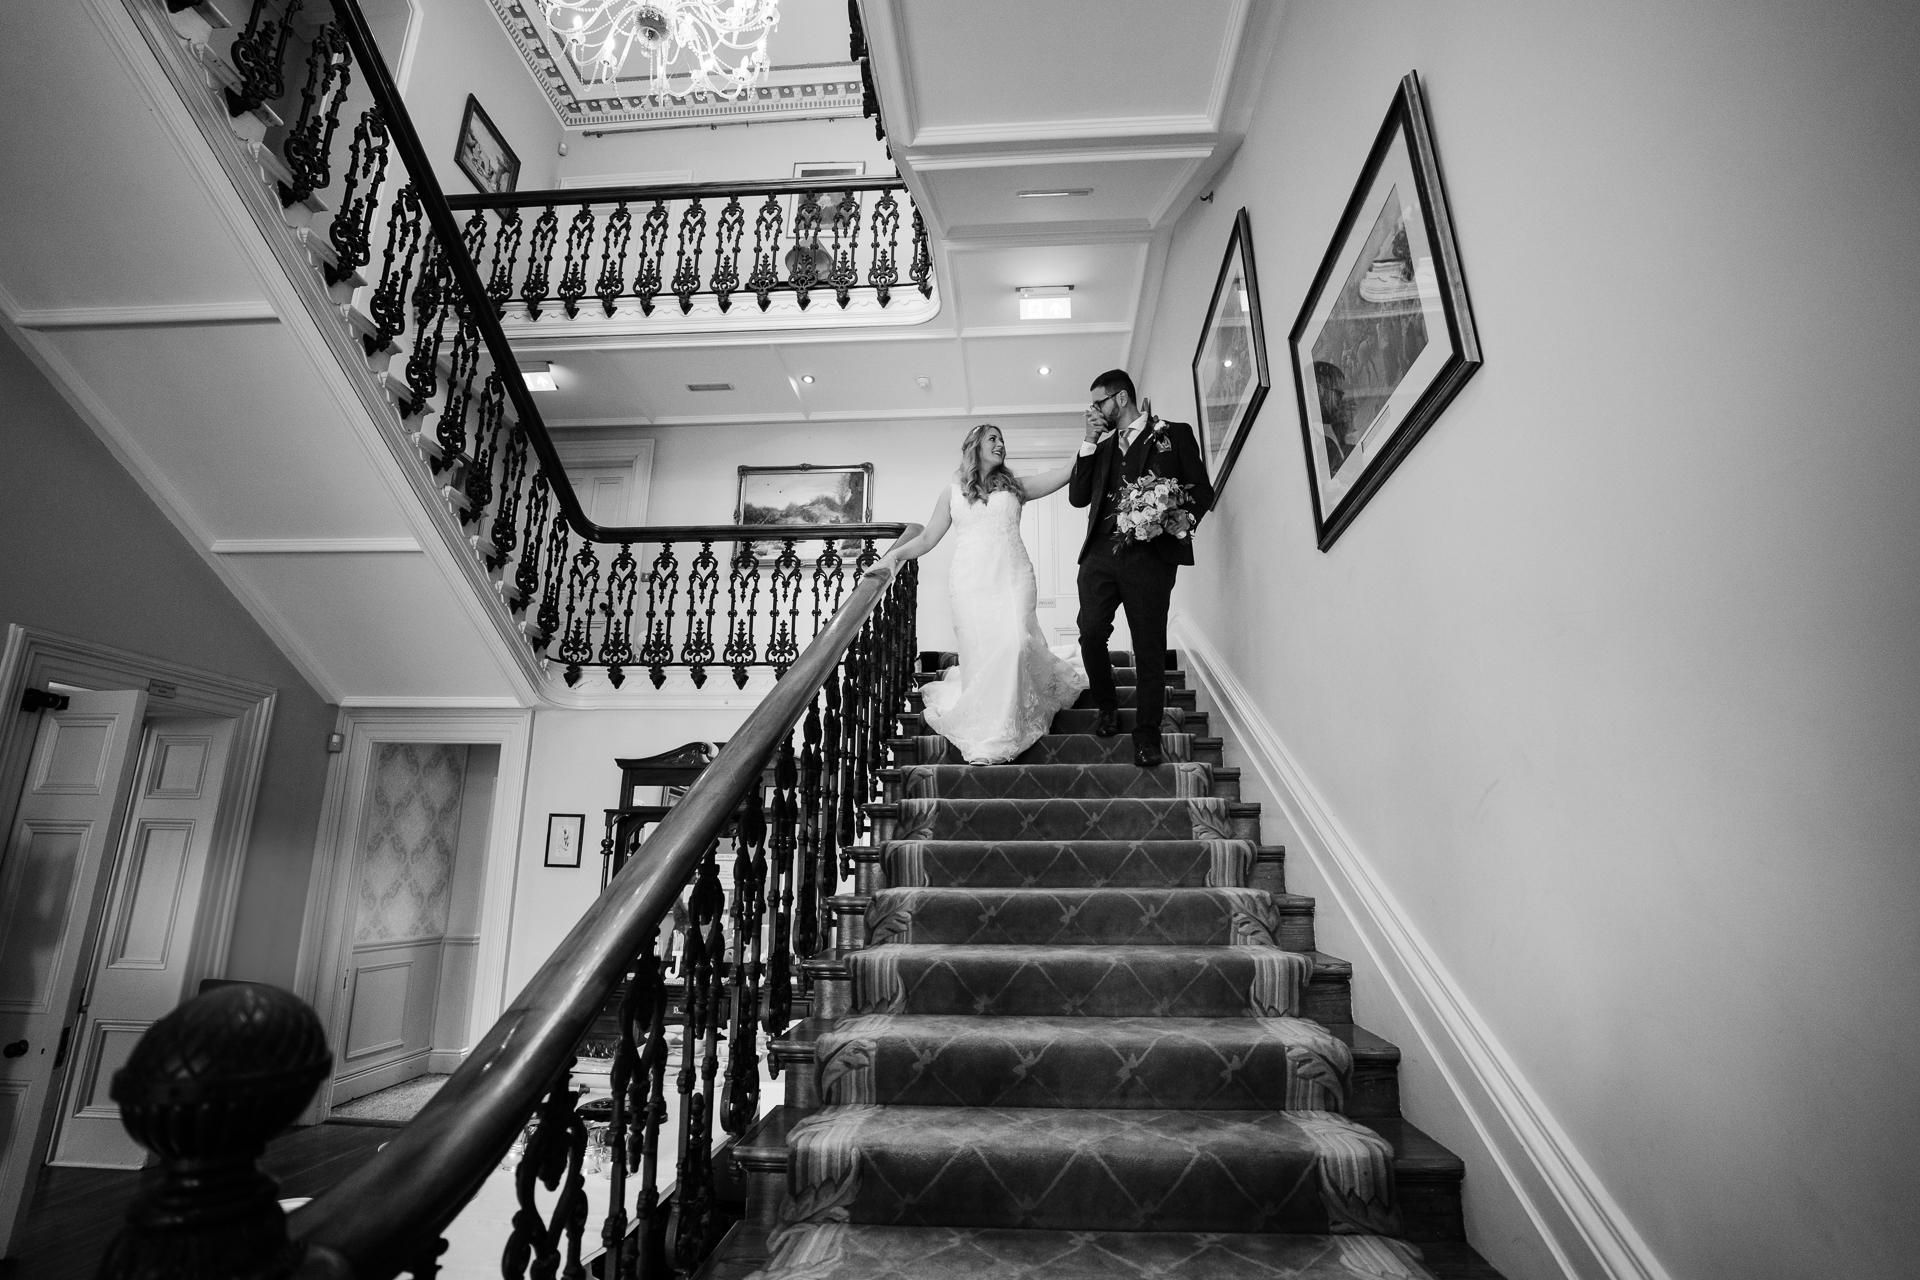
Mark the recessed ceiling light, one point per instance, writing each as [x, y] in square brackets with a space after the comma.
[1227, 363]
[1050, 193]
[1044, 371]
[806, 377]
[538, 375]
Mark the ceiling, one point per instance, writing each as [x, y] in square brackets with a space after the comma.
[981, 102]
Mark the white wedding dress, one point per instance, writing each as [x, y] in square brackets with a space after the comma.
[1003, 695]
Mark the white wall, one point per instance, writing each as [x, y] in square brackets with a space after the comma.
[727, 153]
[1612, 683]
[462, 49]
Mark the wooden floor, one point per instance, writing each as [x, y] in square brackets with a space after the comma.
[76, 1212]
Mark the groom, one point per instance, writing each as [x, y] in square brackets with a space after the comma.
[1123, 444]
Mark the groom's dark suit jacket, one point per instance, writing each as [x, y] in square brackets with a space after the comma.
[1098, 475]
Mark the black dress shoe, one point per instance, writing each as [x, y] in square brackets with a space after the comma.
[1107, 723]
[1147, 754]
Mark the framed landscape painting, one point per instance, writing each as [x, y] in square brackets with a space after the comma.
[1230, 375]
[805, 494]
[482, 154]
[1386, 338]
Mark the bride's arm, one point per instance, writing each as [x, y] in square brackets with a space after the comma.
[1044, 483]
[928, 538]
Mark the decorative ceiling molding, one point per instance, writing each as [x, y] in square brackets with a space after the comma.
[131, 317]
[815, 91]
[1012, 159]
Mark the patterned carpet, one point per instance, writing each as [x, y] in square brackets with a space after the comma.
[1076, 1046]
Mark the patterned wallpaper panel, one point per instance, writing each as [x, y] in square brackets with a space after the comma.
[413, 828]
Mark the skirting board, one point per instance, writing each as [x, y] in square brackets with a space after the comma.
[1578, 1221]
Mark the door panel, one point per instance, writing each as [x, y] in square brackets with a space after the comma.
[140, 967]
[52, 879]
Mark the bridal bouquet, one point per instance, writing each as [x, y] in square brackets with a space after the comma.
[1152, 506]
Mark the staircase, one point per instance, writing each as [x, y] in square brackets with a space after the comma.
[1075, 1027]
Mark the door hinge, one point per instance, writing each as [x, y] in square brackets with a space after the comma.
[42, 700]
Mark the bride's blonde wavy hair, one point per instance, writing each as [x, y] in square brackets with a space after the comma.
[977, 481]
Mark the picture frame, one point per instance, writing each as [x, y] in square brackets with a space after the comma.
[566, 833]
[1231, 376]
[1385, 338]
[806, 494]
[483, 154]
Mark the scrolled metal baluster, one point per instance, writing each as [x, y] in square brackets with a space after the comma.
[829, 583]
[576, 636]
[766, 251]
[616, 645]
[726, 252]
[803, 271]
[845, 272]
[700, 1028]
[552, 1158]
[743, 597]
[831, 783]
[351, 232]
[573, 275]
[703, 585]
[533, 290]
[613, 259]
[512, 477]
[740, 1103]
[663, 588]
[388, 305]
[849, 677]
[547, 618]
[486, 448]
[786, 817]
[885, 271]
[506, 253]
[526, 575]
[693, 238]
[653, 250]
[450, 433]
[433, 300]
[809, 925]
[648, 1103]
[308, 147]
[783, 644]
[921, 272]
[258, 53]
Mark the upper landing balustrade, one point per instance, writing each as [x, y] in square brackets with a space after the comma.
[685, 259]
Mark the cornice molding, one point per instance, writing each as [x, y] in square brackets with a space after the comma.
[190, 313]
[799, 93]
[313, 546]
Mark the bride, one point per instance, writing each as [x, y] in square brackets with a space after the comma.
[1003, 695]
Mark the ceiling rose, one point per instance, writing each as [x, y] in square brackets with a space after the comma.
[720, 44]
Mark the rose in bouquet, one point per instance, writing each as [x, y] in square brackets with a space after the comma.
[1152, 506]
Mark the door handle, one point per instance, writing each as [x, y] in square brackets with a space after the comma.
[18, 1049]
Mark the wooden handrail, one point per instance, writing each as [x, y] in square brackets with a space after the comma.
[559, 196]
[389, 1212]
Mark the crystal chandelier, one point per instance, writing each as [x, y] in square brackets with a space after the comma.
[722, 43]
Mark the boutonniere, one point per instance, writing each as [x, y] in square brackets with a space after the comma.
[1160, 442]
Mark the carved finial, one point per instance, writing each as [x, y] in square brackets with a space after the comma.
[204, 1090]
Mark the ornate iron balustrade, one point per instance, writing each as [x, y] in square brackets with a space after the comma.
[343, 156]
[210, 1084]
[729, 244]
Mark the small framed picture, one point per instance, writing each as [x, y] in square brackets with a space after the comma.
[1230, 375]
[565, 831]
[483, 155]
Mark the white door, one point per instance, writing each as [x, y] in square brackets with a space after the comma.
[139, 972]
[50, 881]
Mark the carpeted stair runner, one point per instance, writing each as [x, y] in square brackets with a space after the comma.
[1074, 1039]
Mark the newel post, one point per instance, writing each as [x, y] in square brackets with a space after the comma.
[204, 1090]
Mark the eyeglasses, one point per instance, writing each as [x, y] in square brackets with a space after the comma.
[1103, 399]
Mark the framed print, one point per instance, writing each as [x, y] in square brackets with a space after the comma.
[1230, 374]
[1386, 337]
[565, 831]
[805, 494]
[482, 154]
